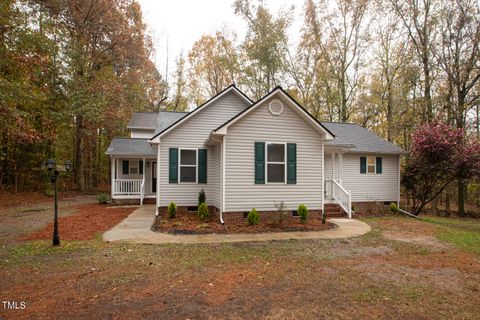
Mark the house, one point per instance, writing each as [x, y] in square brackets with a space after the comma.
[247, 154]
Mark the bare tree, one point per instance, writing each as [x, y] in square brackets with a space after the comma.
[342, 38]
[419, 19]
[459, 58]
[390, 56]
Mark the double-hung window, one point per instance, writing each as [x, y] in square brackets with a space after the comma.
[134, 167]
[276, 158]
[188, 165]
[371, 164]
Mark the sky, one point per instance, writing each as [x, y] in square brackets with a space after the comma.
[181, 22]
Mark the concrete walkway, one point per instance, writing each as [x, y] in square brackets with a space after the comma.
[136, 229]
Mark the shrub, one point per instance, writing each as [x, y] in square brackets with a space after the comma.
[393, 207]
[103, 198]
[253, 217]
[281, 214]
[353, 208]
[203, 213]
[172, 210]
[201, 197]
[303, 213]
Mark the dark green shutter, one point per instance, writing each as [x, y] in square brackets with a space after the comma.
[125, 167]
[259, 162]
[173, 165]
[363, 164]
[379, 165]
[202, 165]
[291, 163]
[140, 165]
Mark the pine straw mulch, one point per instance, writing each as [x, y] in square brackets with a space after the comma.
[189, 223]
[10, 199]
[84, 224]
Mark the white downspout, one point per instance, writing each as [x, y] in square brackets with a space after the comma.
[157, 196]
[323, 177]
[224, 139]
[398, 181]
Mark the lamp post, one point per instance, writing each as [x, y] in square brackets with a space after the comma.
[54, 173]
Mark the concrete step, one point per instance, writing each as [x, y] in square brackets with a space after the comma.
[335, 215]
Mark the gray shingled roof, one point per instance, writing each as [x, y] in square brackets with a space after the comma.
[167, 118]
[360, 139]
[128, 146]
[143, 120]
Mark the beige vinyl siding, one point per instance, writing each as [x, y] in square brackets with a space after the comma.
[193, 133]
[141, 133]
[242, 194]
[368, 187]
[214, 175]
[328, 166]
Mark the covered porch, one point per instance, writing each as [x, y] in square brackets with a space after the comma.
[334, 191]
[133, 169]
[133, 178]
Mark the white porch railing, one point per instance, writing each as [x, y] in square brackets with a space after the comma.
[343, 197]
[142, 192]
[128, 186]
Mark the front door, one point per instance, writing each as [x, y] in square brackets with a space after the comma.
[154, 177]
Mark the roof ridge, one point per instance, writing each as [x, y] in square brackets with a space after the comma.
[130, 138]
[173, 111]
[340, 122]
[145, 112]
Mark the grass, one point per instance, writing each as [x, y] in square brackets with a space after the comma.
[364, 277]
[466, 240]
[463, 233]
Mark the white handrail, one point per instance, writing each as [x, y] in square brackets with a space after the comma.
[342, 197]
[142, 190]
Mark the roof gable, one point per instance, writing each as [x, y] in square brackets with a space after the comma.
[286, 97]
[230, 89]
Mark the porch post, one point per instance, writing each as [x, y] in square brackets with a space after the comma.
[340, 167]
[112, 173]
[142, 192]
[333, 165]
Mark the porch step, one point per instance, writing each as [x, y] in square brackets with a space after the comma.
[149, 201]
[333, 210]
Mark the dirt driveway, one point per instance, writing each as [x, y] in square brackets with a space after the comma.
[384, 274]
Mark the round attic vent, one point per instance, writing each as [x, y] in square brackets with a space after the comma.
[275, 107]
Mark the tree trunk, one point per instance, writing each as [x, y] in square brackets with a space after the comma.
[435, 206]
[461, 199]
[389, 114]
[79, 155]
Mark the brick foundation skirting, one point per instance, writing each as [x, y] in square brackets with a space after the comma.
[125, 202]
[240, 217]
[372, 207]
[265, 216]
[214, 211]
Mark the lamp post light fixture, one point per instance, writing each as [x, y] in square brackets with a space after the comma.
[54, 174]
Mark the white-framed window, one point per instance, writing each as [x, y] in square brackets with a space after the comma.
[276, 156]
[134, 167]
[371, 165]
[187, 170]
